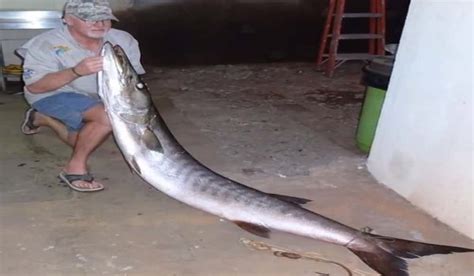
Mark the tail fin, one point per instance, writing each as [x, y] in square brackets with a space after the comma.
[386, 255]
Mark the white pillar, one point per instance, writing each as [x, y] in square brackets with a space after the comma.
[424, 146]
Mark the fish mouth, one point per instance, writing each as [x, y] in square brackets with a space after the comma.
[120, 88]
[113, 77]
[114, 57]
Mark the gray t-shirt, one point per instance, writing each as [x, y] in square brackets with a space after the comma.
[57, 50]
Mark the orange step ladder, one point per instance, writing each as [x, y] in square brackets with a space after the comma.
[328, 53]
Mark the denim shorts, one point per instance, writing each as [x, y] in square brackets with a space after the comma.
[66, 107]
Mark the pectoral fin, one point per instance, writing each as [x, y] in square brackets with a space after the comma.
[291, 199]
[134, 165]
[255, 229]
[151, 141]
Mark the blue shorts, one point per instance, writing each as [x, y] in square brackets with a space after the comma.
[67, 107]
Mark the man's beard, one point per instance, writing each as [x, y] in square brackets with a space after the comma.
[97, 34]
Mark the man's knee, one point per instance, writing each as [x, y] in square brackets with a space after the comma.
[98, 115]
[104, 118]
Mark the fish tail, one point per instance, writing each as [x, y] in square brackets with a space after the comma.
[386, 255]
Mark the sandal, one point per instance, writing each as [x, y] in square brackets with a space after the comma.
[87, 177]
[27, 127]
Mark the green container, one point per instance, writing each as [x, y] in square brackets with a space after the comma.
[376, 76]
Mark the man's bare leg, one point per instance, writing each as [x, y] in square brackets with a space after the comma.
[59, 128]
[95, 131]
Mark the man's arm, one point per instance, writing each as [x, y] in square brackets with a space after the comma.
[52, 81]
[56, 80]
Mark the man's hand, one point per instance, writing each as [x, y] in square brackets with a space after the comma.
[90, 65]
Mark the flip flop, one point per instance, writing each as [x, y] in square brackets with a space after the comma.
[87, 177]
[27, 127]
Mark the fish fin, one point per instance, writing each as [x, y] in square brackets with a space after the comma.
[386, 255]
[291, 199]
[151, 141]
[255, 229]
[134, 165]
[131, 169]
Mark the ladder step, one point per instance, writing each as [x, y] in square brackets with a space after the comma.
[361, 15]
[353, 56]
[333, 33]
[361, 36]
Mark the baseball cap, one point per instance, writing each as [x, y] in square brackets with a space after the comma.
[93, 10]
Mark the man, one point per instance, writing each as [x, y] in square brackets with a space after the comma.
[60, 75]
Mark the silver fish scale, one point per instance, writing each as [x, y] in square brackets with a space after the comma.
[206, 183]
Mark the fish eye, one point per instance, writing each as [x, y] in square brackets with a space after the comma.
[140, 85]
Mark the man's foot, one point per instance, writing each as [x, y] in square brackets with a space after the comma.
[81, 182]
[28, 127]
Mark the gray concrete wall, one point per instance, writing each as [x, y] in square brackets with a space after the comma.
[423, 147]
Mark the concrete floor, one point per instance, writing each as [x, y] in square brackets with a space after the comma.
[281, 128]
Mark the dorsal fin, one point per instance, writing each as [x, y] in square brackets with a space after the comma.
[255, 229]
[291, 199]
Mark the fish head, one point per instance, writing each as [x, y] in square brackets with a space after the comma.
[120, 87]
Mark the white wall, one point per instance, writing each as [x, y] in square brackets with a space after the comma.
[423, 148]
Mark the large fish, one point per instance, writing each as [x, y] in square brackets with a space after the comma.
[154, 154]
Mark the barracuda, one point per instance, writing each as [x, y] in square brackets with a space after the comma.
[155, 155]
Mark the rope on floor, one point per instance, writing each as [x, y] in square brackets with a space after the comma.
[290, 254]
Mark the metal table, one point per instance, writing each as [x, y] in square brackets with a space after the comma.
[25, 20]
